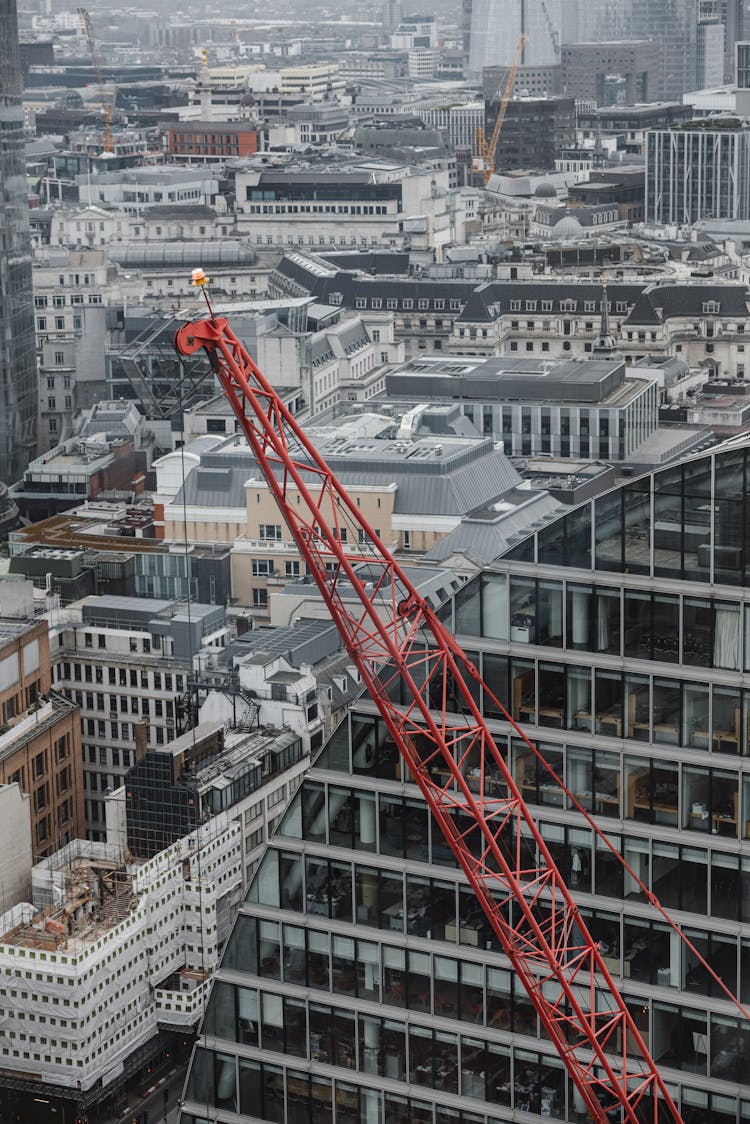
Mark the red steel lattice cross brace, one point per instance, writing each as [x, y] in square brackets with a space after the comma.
[393, 635]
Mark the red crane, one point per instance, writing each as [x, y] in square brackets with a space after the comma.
[396, 640]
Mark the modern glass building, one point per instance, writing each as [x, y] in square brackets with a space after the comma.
[497, 25]
[18, 377]
[361, 983]
[671, 24]
[700, 172]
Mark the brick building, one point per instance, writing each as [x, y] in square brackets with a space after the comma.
[211, 140]
[40, 737]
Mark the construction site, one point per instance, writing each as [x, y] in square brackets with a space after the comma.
[113, 952]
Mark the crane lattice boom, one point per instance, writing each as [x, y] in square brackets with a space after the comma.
[489, 148]
[104, 101]
[396, 641]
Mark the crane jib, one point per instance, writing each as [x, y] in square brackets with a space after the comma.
[392, 634]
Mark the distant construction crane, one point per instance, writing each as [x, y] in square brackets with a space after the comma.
[488, 150]
[553, 32]
[106, 102]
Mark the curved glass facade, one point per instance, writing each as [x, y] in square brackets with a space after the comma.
[361, 982]
[18, 373]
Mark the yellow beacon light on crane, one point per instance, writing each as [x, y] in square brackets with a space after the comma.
[200, 281]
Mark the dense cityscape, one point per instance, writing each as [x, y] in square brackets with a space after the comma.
[406, 784]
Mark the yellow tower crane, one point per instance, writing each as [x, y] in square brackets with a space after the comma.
[488, 150]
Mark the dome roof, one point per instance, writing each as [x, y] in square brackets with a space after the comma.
[565, 229]
[545, 190]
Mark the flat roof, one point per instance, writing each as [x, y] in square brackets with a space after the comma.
[498, 378]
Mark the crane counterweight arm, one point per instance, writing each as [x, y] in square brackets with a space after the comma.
[425, 691]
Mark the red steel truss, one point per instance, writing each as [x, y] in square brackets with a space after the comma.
[402, 650]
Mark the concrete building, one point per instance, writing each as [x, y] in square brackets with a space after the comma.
[317, 81]
[76, 471]
[459, 123]
[413, 488]
[630, 125]
[145, 934]
[315, 122]
[124, 661]
[597, 408]
[609, 73]
[616, 636]
[112, 546]
[94, 226]
[742, 79]
[246, 774]
[711, 51]
[74, 293]
[18, 383]
[415, 33]
[139, 189]
[365, 205]
[530, 81]
[700, 171]
[158, 269]
[296, 676]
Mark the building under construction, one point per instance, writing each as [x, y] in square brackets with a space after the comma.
[115, 957]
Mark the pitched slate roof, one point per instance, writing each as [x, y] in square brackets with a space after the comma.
[472, 302]
[485, 540]
[662, 302]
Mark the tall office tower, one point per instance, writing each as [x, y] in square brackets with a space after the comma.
[391, 14]
[711, 53]
[18, 376]
[673, 26]
[731, 14]
[466, 6]
[361, 984]
[497, 25]
[742, 71]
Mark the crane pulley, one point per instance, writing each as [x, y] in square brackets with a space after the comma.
[396, 641]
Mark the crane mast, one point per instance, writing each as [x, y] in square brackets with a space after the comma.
[104, 101]
[488, 149]
[396, 640]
